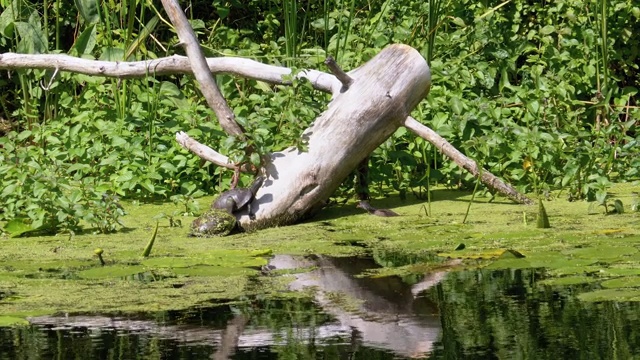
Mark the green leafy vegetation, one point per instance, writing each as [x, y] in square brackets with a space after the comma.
[541, 94]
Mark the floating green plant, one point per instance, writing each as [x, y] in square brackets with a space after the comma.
[595, 248]
[99, 253]
[114, 271]
[12, 321]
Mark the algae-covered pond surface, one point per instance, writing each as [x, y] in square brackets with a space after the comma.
[509, 288]
[478, 314]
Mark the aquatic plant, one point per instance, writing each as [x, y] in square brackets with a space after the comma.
[98, 252]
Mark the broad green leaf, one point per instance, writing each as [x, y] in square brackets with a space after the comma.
[53, 140]
[400, 132]
[456, 105]
[197, 24]
[24, 135]
[112, 54]
[170, 89]
[504, 79]
[127, 176]
[547, 30]
[148, 186]
[88, 9]
[169, 167]
[8, 190]
[86, 42]
[7, 19]
[118, 141]
[32, 39]
[255, 159]
[458, 21]
[223, 11]
[17, 227]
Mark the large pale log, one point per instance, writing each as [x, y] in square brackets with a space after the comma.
[358, 120]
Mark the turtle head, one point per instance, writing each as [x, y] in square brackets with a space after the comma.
[257, 183]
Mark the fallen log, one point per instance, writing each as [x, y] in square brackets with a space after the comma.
[358, 119]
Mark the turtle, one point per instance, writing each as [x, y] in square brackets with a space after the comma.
[214, 222]
[236, 199]
[220, 219]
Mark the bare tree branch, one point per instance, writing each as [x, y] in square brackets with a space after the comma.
[204, 152]
[201, 71]
[172, 65]
[336, 70]
[464, 162]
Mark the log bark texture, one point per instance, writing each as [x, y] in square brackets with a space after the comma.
[358, 120]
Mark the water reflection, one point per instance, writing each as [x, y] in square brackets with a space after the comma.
[467, 315]
[387, 315]
[507, 315]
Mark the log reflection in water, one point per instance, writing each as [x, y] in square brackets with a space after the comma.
[390, 316]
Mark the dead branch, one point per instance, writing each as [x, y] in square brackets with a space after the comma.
[172, 65]
[201, 71]
[464, 162]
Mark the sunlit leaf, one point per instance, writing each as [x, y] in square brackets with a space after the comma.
[86, 42]
[548, 29]
[88, 9]
[17, 227]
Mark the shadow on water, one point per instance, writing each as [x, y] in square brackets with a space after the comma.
[478, 314]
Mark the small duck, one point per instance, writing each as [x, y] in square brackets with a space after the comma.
[363, 204]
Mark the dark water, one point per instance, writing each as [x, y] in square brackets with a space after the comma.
[458, 315]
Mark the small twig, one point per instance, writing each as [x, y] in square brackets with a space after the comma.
[335, 69]
[48, 86]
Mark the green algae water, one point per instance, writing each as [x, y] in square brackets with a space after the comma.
[344, 285]
[480, 314]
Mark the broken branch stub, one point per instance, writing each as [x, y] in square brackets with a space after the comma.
[344, 78]
[358, 120]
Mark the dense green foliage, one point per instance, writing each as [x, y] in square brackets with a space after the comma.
[541, 94]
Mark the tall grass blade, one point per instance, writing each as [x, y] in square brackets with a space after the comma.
[543, 218]
[473, 195]
[146, 31]
[147, 249]
[290, 29]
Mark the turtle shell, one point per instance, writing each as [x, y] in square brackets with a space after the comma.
[236, 199]
[214, 222]
[233, 200]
